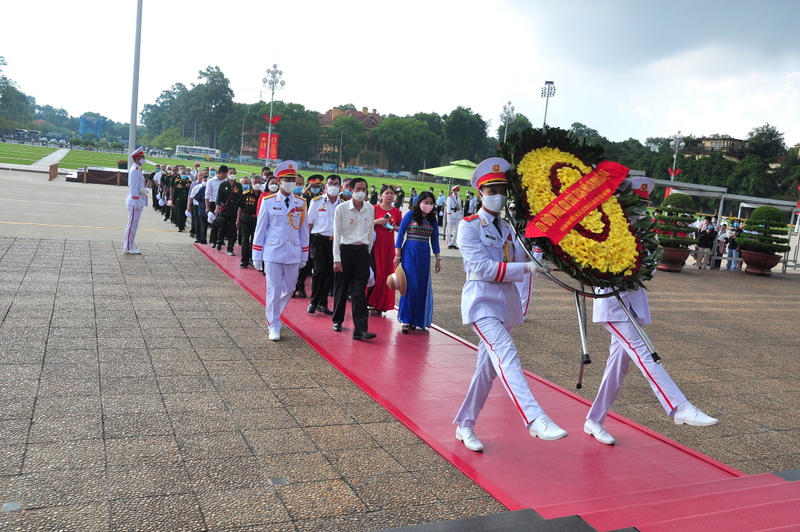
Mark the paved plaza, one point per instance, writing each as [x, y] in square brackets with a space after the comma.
[141, 392]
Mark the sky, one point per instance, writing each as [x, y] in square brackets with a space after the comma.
[627, 68]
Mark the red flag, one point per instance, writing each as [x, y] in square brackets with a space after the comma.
[675, 172]
[273, 146]
[274, 120]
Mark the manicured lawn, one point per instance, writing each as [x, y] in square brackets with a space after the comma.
[21, 154]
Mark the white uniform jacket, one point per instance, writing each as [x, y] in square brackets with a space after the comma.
[281, 232]
[454, 206]
[493, 263]
[320, 215]
[608, 309]
[135, 186]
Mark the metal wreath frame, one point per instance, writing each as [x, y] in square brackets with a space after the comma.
[580, 296]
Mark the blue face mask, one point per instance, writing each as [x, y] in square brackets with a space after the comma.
[246, 187]
[213, 173]
[347, 192]
[315, 190]
[298, 190]
[184, 176]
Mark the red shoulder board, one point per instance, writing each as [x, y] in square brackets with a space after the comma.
[470, 218]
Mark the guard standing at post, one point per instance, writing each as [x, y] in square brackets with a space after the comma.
[135, 202]
[454, 212]
[281, 244]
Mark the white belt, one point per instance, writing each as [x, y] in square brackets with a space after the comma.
[472, 276]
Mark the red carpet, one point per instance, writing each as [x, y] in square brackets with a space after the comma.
[645, 480]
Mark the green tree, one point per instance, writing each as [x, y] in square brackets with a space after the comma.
[587, 134]
[751, 177]
[211, 101]
[407, 142]
[519, 123]
[298, 128]
[347, 107]
[464, 135]
[348, 133]
[766, 142]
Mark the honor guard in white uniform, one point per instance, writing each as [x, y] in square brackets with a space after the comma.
[490, 302]
[627, 345]
[135, 202]
[281, 242]
[454, 213]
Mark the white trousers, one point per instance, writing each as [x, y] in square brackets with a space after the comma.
[134, 214]
[497, 356]
[451, 230]
[626, 345]
[281, 280]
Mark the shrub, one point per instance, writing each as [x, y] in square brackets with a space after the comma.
[765, 231]
[674, 224]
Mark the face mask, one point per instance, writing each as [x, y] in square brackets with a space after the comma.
[287, 186]
[184, 176]
[359, 196]
[736, 225]
[232, 177]
[246, 187]
[333, 190]
[494, 203]
[257, 186]
[315, 190]
[347, 192]
[273, 187]
[298, 190]
[426, 207]
[212, 173]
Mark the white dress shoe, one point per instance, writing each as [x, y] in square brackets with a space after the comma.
[467, 435]
[598, 431]
[274, 335]
[688, 414]
[543, 427]
[133, 251]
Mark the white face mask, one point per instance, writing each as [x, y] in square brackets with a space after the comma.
[256, 186]
[494, 203]
[287, 186]
[273, 187]
[426, 207]
[359, 196]
[333, 190]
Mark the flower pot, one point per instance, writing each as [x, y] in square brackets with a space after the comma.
[672, 259]
[759, 263]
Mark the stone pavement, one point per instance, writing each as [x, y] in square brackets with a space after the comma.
[140, 392]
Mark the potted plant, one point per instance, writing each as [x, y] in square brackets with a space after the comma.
[763, 240]
[122, 164]
[674, 227]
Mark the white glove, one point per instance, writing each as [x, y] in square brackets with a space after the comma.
[535, 269]
[259, 265]
[143, 191]
[188, 213]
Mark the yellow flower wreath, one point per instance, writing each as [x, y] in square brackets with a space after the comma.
[542, 170]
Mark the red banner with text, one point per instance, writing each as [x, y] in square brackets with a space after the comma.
[572, 205]
[273, 146]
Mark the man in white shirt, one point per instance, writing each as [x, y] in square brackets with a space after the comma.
[353, 238]
[320, 221]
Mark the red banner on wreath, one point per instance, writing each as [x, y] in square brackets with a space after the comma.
[273, 146]
[572, 205]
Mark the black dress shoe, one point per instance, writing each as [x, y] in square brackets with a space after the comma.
[325, 310]
[312, 309]
[243, 265]
[337, 327]
[364, 336]
[302, 293]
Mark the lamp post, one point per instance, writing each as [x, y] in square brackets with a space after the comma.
[508, 115]
[548, 91]
[676, 144]
[273, 81]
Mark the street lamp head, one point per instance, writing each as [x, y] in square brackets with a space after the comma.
[274, 65]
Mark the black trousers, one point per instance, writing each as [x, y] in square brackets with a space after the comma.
[180, 214]
[322, 253]
[214, 225]
[353, 281]
[247, 228]
[227, 229]
[202, 225]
